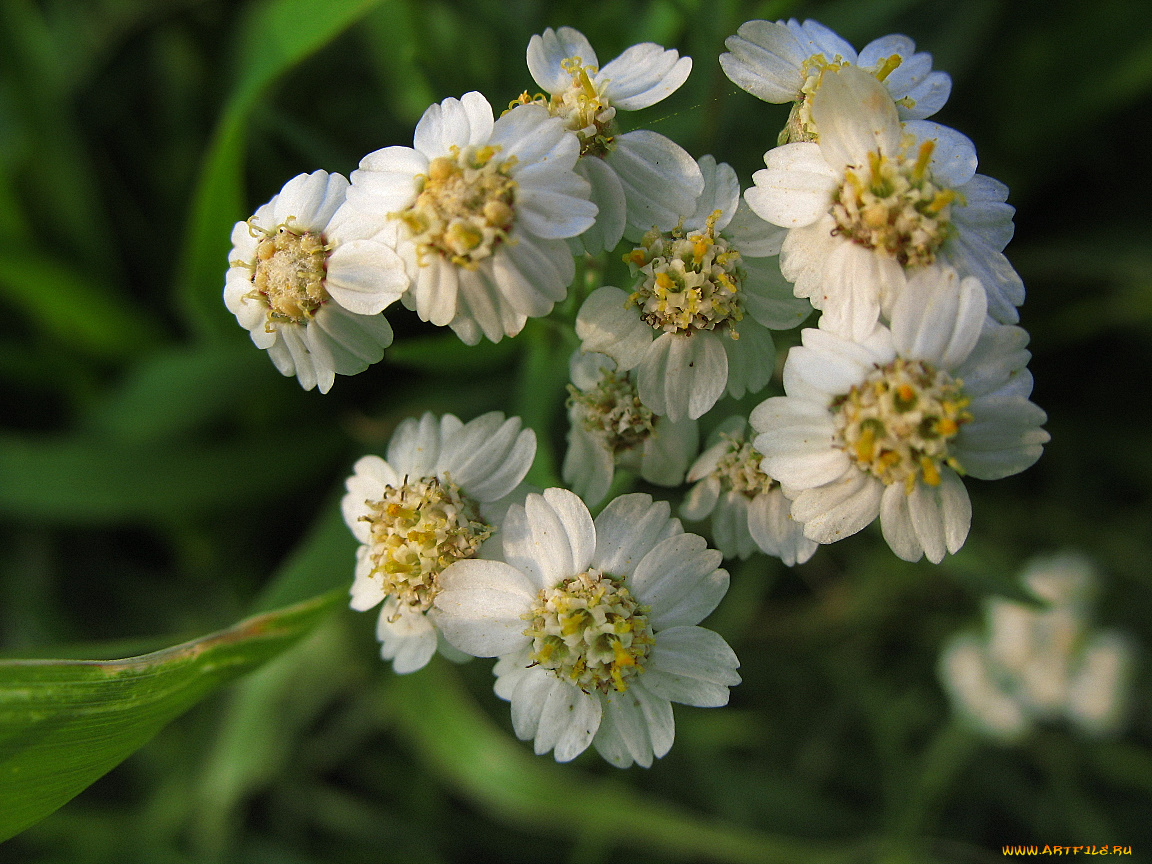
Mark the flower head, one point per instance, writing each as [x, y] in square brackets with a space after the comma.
[639, 179]
[309, 278]
[886, 426]
[786, 61]
[594, 624]
[480, 210]
[697, 322]
[1034, 664]
[876, 200]
[611, 427]
[439, 496]
[748, 508]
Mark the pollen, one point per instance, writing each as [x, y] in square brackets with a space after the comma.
[612, 410]
[739, 469]
[418, 529]
[688, 282]
[591, 631]
[288, 272]
[892, 207]
[897, 424]
[466, 206]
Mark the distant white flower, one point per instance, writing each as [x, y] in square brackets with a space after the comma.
[886, 426]
[610, 426]
[1041, 664]
[639, 179]
[698, 321]
[876, 201]
[785, 61]
[441, 493]
[594, 624]
[481, 211]
[748, 508]
[309, 280]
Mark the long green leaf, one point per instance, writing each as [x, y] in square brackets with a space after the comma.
[276, 36]
[65, 723]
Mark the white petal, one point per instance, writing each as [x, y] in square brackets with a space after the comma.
[643, 75]
[953, 161]
[838, 509]
[721, 192]
[608, 325]
[310, 200]
[386, 181]
[753, 236]
[855, 116]
[607, 193]
[365, 277]
[627, 530]
[765, 60]
[680, 576]
[667, 451]
[409, 641]
[454, 122]
[568, 716]
[415, 447]
[795, 189]
[661, 181]
[692, 666]
[938, 317]
[588, 466]
[683, 376]
[480, 606]
[549, 543]
[547, 52]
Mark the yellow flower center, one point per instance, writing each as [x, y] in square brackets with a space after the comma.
[894, 208]
[466, 206]
[898, 422]
[688, 283]
[591, 631]
[583, 107]
[288, 272]
[613, 409]
[739, 469]
[418, 529]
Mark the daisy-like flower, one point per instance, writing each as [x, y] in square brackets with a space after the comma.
[886, 426]
[309, 280]
[785, 61]
[1035, 665]
[481, 211]
[594, 624]
[876, 201]
[748, 508]
[639, 179]
[611, 426]
[439, 496]
[698, 320]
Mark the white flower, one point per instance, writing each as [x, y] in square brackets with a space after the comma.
[876, 201]
[748, 508]
[884, 427]
[309, 279]
[441, 493]
[786, 62]
[481, 210]
[594, 624]
[698, 320]
[610, 426]
[1041, 664]
[640, 179]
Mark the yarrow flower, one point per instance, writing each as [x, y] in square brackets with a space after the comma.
[1035, 665]
[480, 211]
[440, 495]
[697, 322]
[748, 508]
[785, 61]
[886, 426]
[876, 201]
[610, 426]
[594, 624]
[639, 179]
[309, 278]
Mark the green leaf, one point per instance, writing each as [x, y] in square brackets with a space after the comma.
[65, 723]
[277, 35]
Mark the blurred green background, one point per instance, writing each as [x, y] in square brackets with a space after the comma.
[160, 481]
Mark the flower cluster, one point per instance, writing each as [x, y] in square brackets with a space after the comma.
[1038, 664]
[914, 376]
